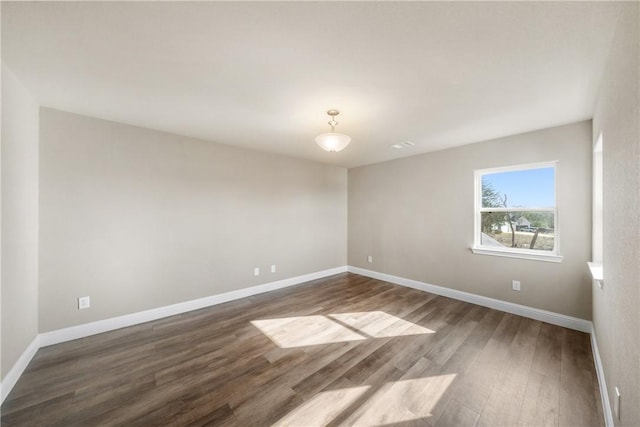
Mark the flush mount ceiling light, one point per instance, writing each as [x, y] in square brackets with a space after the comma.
[333, 141]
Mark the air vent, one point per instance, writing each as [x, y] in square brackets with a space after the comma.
[404, 144]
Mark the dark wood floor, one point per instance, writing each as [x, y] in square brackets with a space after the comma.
[345, 350]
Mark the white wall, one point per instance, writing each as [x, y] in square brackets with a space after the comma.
[616, 307]
[19, 219]
[138, 219]
[415, 217]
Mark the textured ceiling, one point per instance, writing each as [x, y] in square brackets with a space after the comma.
[262, 75]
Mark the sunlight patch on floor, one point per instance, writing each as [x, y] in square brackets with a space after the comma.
[392, 403]
[378, 324]
[302, 331]
[402, 401]
[305, 330]
[322, 408]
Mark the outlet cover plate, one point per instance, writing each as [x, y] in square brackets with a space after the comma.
[84, 302]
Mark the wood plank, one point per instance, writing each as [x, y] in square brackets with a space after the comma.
[577, 379]
[457, 415]
[548, 355]
[540, 406]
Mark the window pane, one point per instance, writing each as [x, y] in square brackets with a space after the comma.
[531, 230]
[532, 188]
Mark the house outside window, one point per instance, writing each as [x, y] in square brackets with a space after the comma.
[516, 212]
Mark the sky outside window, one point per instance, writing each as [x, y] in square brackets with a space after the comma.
[525, 188]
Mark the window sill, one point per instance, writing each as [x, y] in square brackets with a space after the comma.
[597, 272]
[517, 254]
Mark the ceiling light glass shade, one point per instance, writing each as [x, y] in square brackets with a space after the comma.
[333, 141]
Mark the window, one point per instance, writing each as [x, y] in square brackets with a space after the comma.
[516, 213]
[596, 268]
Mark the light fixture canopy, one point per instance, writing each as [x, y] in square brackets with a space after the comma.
[333, 141]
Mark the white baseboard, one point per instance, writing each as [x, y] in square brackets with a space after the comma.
[80, 331]
[509, 307]
[604, 395]
[18, 368]
[100, 326]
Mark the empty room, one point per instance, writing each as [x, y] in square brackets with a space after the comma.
[320, 214]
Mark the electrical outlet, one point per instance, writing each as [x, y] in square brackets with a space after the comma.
[370, 259]
[84, 302]
[616, 404]
[256, 271]
[273, 268]
[515, 285]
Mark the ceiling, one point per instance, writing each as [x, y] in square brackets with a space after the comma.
[262, 75]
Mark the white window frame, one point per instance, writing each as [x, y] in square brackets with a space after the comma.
[532, 254]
